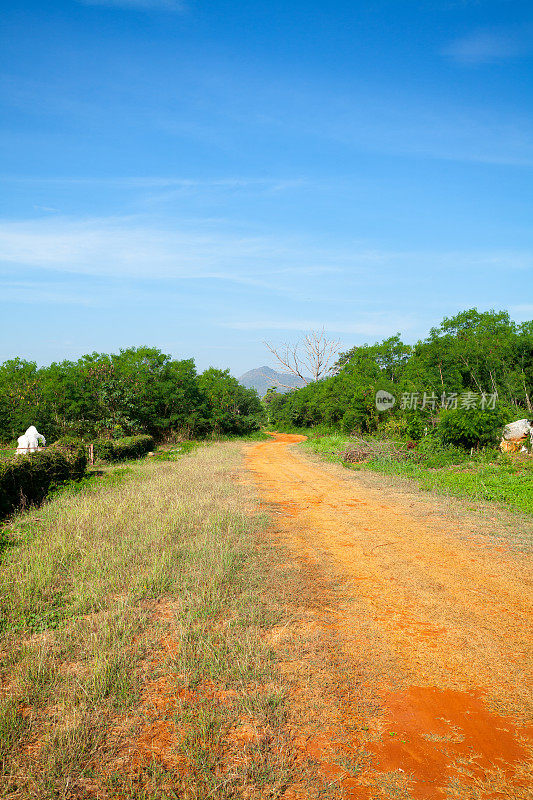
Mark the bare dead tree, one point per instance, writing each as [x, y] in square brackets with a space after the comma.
[309, 359]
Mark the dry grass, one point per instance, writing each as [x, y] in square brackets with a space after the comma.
[134, 616]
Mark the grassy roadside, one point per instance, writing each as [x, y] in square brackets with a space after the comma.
[484, 476]
[134, 653]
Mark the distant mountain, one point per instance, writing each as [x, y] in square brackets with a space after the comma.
[264, 377]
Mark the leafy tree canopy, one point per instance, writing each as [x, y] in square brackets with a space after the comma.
[138, 390]
[481, 353]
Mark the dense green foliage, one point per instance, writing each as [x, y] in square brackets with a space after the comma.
[232, 409]
[473, 427]
[465, 380]
[123, 449]
[27, 479]
[137, 391]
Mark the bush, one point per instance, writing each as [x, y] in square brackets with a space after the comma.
[123, 449]
[27, 479]
[76, 451]
[133, 447]
[473, 427]
[393, 427]
[104, 449]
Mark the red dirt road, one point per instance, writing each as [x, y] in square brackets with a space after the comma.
[433, 623]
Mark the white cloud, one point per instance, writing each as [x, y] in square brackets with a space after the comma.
[379, 324]
[148, 5]
[484, 47]
[272, 185]
[47, 209]
[138, 248]
[129, 247]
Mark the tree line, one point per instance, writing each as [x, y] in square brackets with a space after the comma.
[472, 373]
[138, 390]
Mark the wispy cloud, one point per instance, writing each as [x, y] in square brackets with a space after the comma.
[485, 47]
[148, 5]
[367, 118]
[139, 247]
[46, 209]
[379, 324]
[159, 182]
[152, 190]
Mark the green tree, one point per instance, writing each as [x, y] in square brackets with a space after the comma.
[232, 408]
[20, 398]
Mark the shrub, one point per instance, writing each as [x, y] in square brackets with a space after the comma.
[393, 427]
[133, 447]
[473, 427]
[123, 449]
[27, 479]
[104, 449]
[76, 451]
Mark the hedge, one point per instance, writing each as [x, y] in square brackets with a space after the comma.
[123, 449]
[27, 479]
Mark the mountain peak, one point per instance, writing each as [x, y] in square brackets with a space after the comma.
[263, 378]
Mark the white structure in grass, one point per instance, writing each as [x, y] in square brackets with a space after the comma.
[29, 442]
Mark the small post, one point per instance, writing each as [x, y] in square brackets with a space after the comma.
[91, 454]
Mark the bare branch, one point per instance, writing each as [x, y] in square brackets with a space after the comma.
[309, 359]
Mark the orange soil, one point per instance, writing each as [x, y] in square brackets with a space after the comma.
[435, 623]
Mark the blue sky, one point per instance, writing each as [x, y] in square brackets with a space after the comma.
[202, 176]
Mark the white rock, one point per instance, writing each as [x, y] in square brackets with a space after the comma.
[520, 429]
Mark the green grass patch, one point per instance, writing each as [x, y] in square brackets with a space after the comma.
[175, 452]
[485, 475]
[329, 446]
[510, 484]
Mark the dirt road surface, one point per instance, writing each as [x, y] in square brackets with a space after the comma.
[432, 625]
